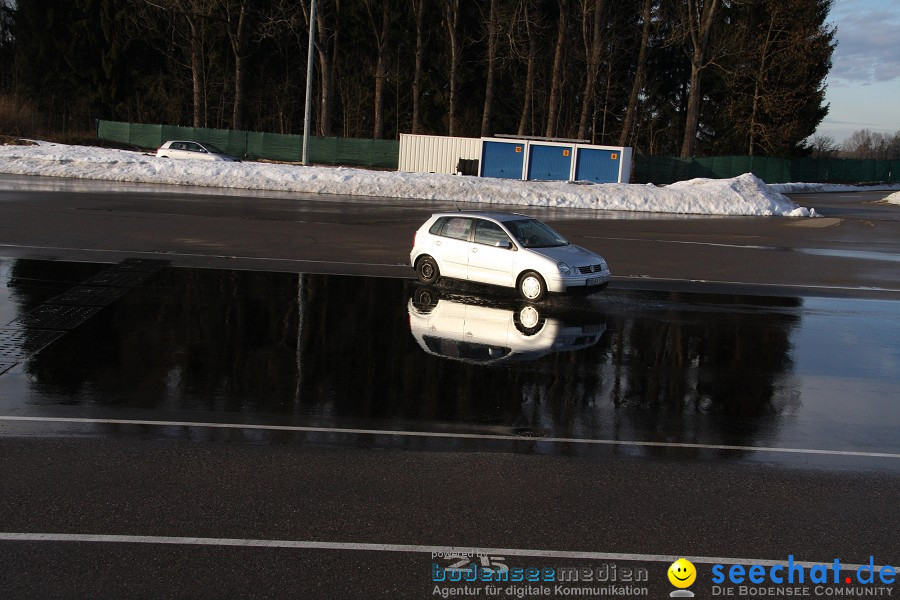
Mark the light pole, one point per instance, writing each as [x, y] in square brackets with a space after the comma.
[309, 81]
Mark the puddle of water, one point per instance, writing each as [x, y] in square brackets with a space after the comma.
[280, 348]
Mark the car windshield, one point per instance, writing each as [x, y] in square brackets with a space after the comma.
[531, 233]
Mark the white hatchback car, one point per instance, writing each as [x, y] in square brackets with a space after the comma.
[194, 150]
[505, 249]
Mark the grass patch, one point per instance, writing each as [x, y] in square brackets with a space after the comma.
[8, 140]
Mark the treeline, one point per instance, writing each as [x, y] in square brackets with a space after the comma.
[863, 144]
[681, 77]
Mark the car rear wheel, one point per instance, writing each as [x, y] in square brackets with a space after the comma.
[531, 286]
[427, 270]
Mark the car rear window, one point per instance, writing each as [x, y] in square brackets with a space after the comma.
[457, 228]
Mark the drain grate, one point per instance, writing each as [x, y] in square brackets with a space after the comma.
[89, 296]
[141, 265]
[17, 344]
[49, 316]
[112, 278]
[530, 432]
[40, 327]
[6, 366]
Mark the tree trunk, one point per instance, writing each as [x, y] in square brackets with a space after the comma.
[327, 36]
[593, 63]
[238, 38]
[700, 22]
[418, 7]
[638, 82]
[556, 76]
[381, 40]
[529, 74]
[451, 15]
[760, 75]
[692, 112]
[493, 26]
[197, 73]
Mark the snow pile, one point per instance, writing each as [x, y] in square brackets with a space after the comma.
[744, 195]
[893, 198]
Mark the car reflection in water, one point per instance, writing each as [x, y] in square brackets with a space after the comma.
[486, 332]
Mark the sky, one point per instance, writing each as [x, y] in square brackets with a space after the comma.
[864, 83]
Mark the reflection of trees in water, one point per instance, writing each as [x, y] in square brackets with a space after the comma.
[184, 339]
[326, 346]
[731, 369]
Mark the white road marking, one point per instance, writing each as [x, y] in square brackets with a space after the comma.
[857, 288]
[743, 246]
[163, 255]
[409, 548]
[445, 435]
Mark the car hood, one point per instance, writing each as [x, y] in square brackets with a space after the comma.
[572, 255]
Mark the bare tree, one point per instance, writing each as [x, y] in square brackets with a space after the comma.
[451, 20]
[697, 20]
[186, 21]
[526, 15]
[326, 46]
[592, 33]
[235, 15]
[380, 19]
[823, 146]
[557, 74]
[418, 9]
[638, 83]
[492, 27]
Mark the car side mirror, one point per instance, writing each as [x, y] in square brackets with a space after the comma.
[506, 244]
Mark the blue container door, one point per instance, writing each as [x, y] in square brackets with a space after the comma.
[599, 166]
[502, 159]
[549, 162]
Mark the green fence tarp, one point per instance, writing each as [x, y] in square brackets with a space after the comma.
[667, 169]
[259, 145]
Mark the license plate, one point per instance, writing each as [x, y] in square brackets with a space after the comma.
[593, 281]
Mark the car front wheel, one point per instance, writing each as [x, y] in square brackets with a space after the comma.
[427, 270]
[532, 286]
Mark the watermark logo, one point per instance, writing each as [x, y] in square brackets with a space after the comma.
[682, 574]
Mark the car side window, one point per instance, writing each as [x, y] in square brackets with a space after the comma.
[489, 233]
[436, 228]
[457, 228]
[194, 147]
[176, 146]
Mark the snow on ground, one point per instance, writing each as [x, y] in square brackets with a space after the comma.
[744, 195]
[893, 198]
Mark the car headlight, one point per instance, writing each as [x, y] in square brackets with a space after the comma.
[603, 265]
[563, 268]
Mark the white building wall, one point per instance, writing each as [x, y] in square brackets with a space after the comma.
[435, 154]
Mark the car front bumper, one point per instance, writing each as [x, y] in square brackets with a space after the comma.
[573, 284]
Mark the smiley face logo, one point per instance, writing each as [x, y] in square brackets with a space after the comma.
[682, 573]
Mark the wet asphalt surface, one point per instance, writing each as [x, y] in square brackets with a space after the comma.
[143, 340]
[169, 397]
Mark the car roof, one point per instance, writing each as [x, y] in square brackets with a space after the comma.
[496, 216]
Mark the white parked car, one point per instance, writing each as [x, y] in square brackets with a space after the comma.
[505, 249]
[194, 150]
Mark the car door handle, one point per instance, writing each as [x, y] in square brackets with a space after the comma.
[437, 243]
[474, 249]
